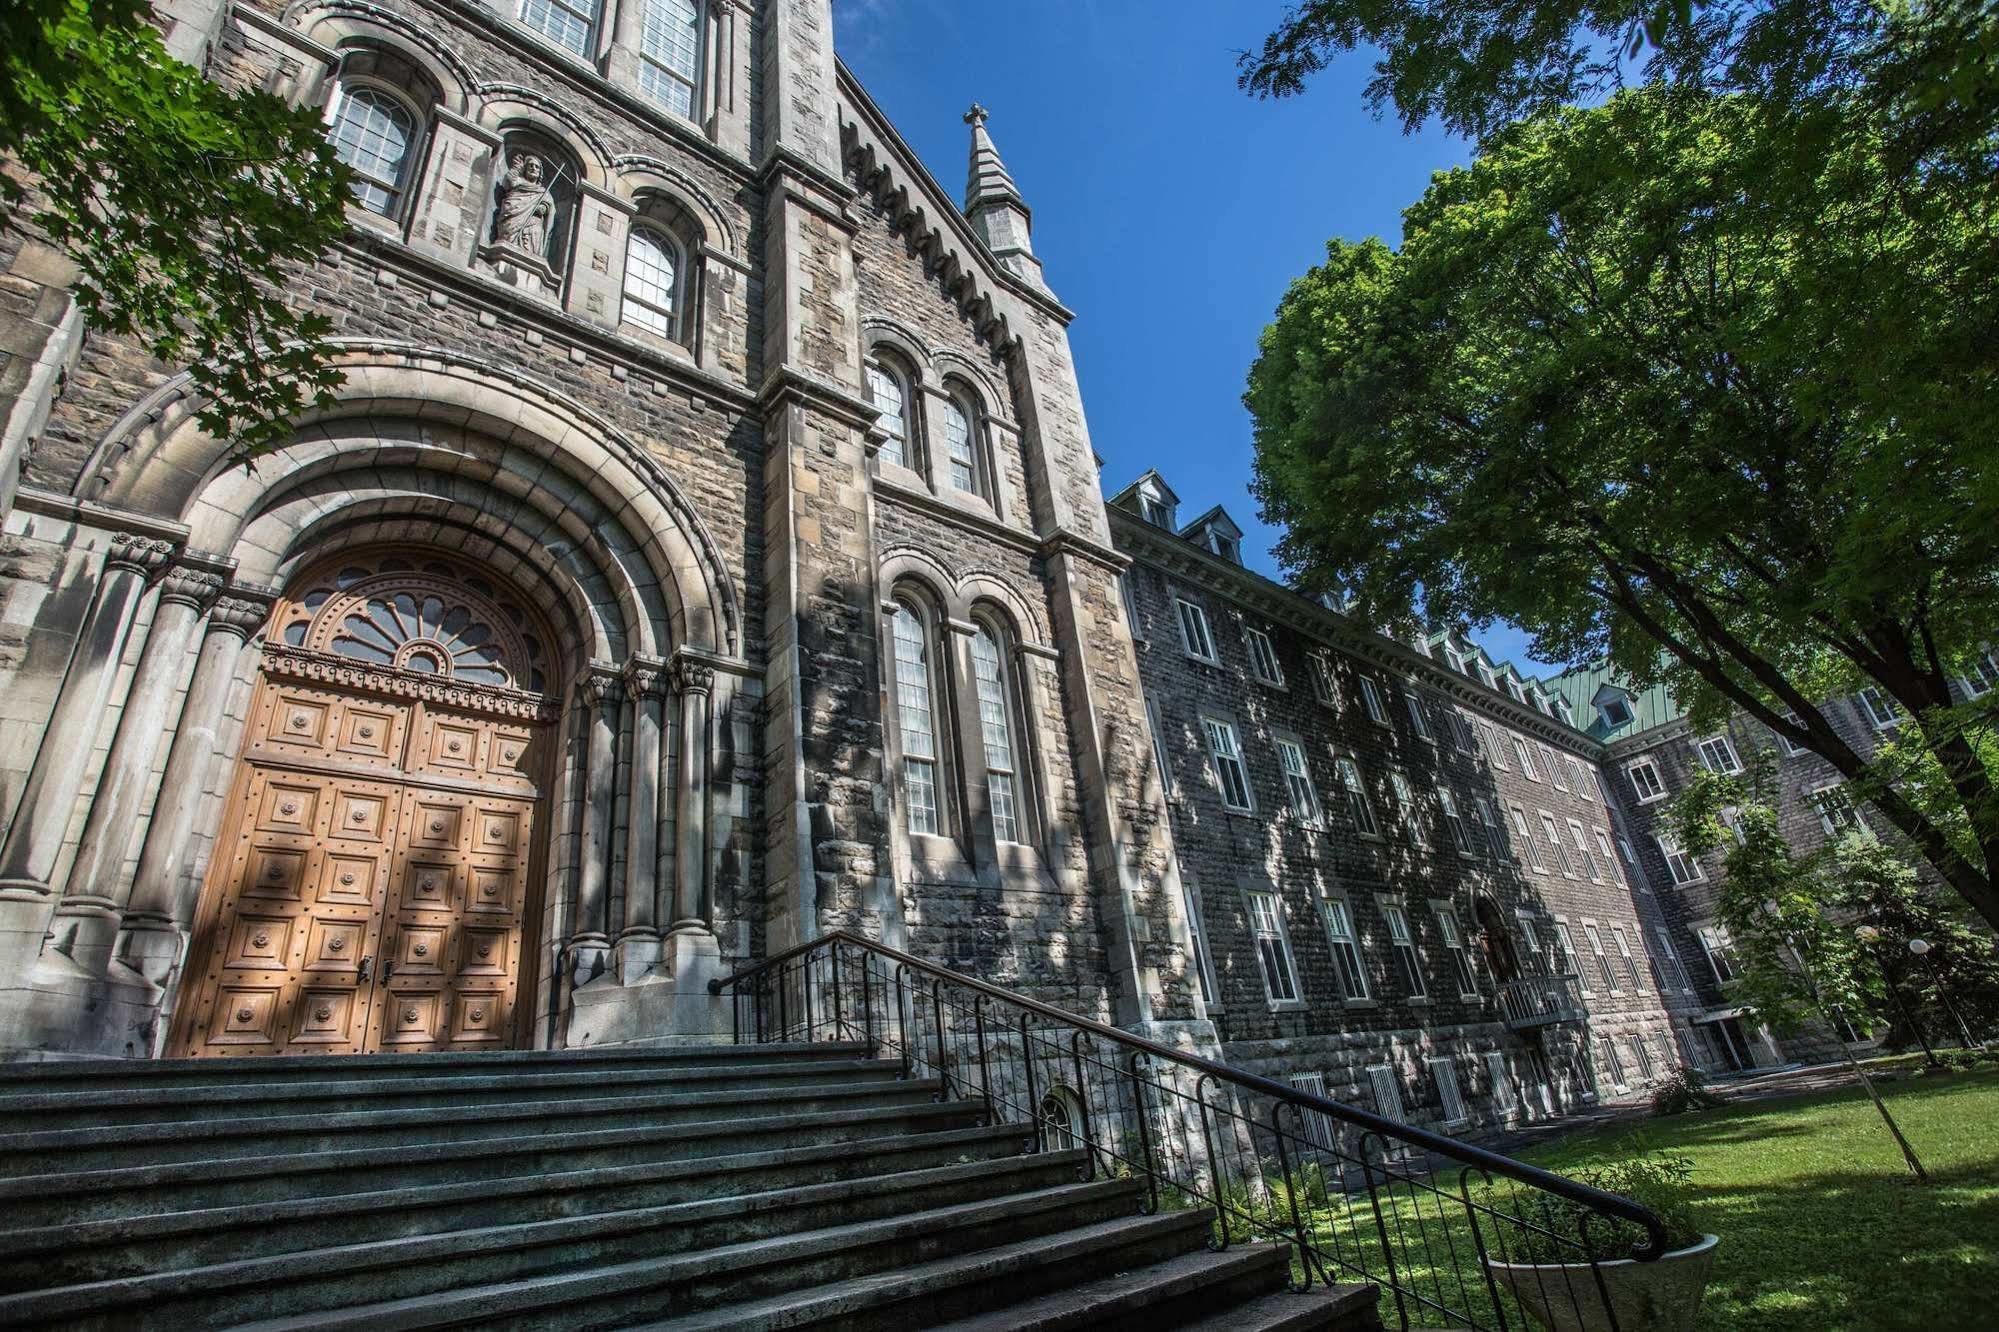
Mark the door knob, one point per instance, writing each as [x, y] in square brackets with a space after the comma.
[367, 964]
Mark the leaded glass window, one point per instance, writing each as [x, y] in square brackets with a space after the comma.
[959, 456]
[915, 719]
[889, 397]
[996, 732]
[652, 271]
[372, 133]
[570, 24]
[670, 53]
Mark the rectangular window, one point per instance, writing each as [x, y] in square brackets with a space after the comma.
[1580, 774]
[1159, 747]
[1645, 781]
[1407, 960]
[670, 53]
[1608, 1063]
[1320, 1130]
[1322, 678]
[1417, 721]
[913, 712]
[1405, 803]
[1554, 836]
[1526, 757]
[1883, 712]
[1194, 636]
[1460, 835]
[1625, 956]
[1273, 947]
[1227, 758]
[1454, 945]
[1449, 1096]
[1197, 934]
[1387, 1093]
[1717, 754]
[1584, 856]
[1565, 948]
[1720, 950]
[996, 731]
[1494, 830]
[1529, 940]
[1791, 747]
[1337, 915]
[1603, 849]
[1598, 956]
[1461, 733]
[1554, 762]
[570, 24]
[1453, 660]
[1676, 974]
[1524, 837]
[1132, 621]
[1358, 804]
[1504, 1098]
[1262, 657]
[1625, 853]
[1370, 698]
[1982, 676]
[1683, 867]
[1643, 1053]
[1495, 752]
[1298, 780]
[1835, 809]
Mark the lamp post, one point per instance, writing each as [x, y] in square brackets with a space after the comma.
[1869, 934]
[1771, 909]
[1921, 948]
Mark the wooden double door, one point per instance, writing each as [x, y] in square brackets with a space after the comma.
[372, 885]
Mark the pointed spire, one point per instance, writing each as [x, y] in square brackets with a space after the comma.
[988, 182]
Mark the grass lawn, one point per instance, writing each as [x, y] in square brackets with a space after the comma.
[1821, 1224]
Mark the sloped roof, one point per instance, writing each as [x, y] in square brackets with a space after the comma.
[1649, 707]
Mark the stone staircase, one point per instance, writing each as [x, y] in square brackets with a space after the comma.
[712, 1187]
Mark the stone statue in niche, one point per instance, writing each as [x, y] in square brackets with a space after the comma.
[526, 207]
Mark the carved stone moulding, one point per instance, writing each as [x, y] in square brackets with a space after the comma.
[288, 662]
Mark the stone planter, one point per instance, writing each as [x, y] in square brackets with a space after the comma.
[1662, 1296]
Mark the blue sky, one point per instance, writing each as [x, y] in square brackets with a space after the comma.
[1170, 208]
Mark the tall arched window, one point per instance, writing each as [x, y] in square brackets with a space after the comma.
[888, 390]
[570, 24]
[652, 282]
[372, 132]
[670, 53]
[996, 733]
[916, 718]
[961, 455]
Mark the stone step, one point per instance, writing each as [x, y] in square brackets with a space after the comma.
[345, 1286]
[81, 1255]
[139, 1075]
[177, 1102]
[925, 1294]
[63, 1196]
[218, 1139]
[1163, 1295]
[1344, 1308]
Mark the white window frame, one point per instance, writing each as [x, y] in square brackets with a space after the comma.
[1386, 1088]
[1526, 757]
[1784, 742]
[1607, 1049]
[1225, 754]
[1197, 933]
[1321, 671]
[1336, 917]
[1262, 657]
[1881, 712]
[587, 13]
[1594, 936]
[1613, 722]
[1838, 815]
[1584, 855]
[1525, 836]
[1674, 966]
[1553, 833]
[1565, 949]
[1452, 933]
[659, 77]
[1505, 1096]
[1130, 597]
[1455, 821]
[1417, 721]
[1678, 857]
[1268, 926]
[1194, 621]
[1450, 1097]
[922, 773]
[1492, 829]
[1359, 805]
[1609, 856]
[1981, 677]
[1320, 1130]
[1554, 762]
[1618, 937]
[1402, 945]
[1370, 699]
[1653, 788]
[1297, 772]
[1717, 946]
[1405, 802]
[1717, 754]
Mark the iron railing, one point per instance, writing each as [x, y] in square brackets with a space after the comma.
[1452, 1234]
[1538, 1001]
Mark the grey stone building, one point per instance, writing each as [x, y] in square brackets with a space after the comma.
[706, 550]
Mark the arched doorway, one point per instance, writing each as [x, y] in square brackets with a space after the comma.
[374, 877]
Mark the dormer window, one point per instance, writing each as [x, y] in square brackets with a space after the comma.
[1484, 673]
[1225, 547]
[1154, 512]
[1615, 712]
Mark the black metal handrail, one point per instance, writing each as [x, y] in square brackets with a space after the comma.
[1354, 1192]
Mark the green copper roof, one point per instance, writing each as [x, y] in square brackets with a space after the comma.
[1649, 707]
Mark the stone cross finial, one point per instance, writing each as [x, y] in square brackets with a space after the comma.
[976, 116]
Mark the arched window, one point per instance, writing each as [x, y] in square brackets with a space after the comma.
[916, 717]
[670, 53]
[652, 282]
[570, 24]
[888, 390]
[996, 733]
[373, 132]
[961, 454]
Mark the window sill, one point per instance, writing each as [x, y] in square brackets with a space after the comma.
[1471, 997]
[1198, 659]
[1360, 1003]
[1651, 800]
[1418, 1001]
[1286, 1005]
[1453, 1125]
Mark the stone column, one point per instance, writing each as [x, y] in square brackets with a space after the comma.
[164, 890]
[693, 684]
[638, 942]
[35, 838]
[94, 895]
[599, 693]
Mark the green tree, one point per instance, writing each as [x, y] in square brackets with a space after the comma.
[1676, 382]
[185, 206]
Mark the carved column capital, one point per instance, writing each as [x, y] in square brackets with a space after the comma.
[191, 587]
[645, 677]
[144, 555]
[241, 616]
[691, 676]
[598, 687]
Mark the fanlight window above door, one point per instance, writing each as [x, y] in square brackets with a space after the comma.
[426, 616]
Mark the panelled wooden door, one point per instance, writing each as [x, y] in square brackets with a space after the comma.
[370, 889]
